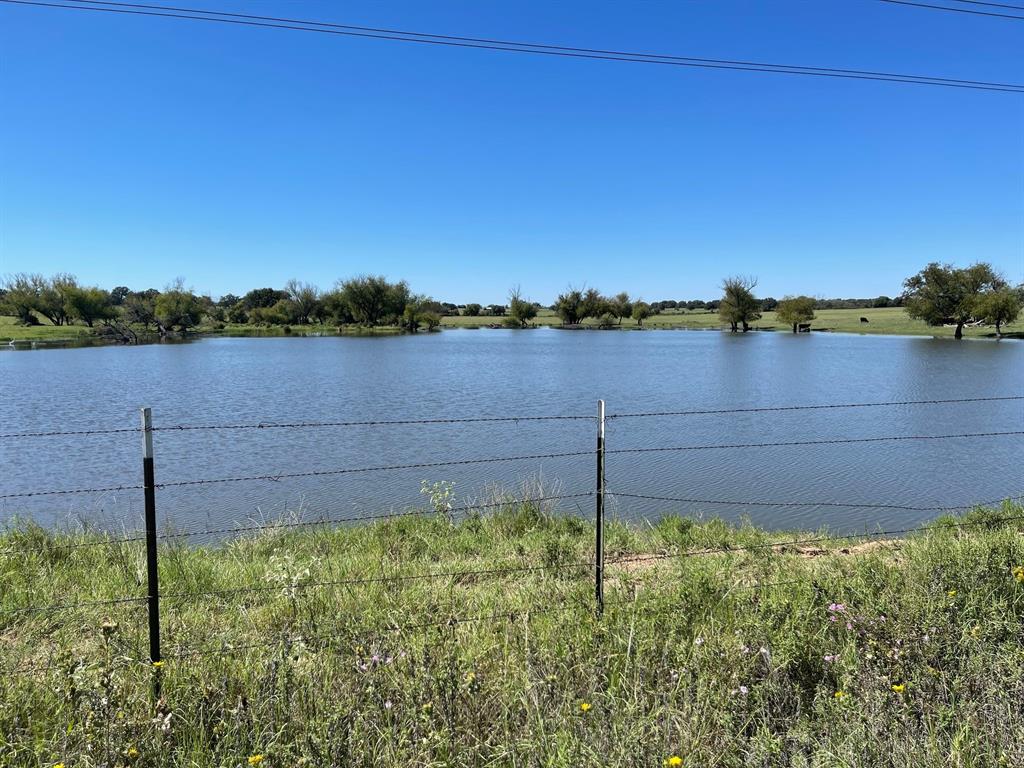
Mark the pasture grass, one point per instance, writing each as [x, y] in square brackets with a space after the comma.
[889, 320]
[832, 653]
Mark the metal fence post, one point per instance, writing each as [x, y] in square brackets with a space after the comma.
[152, 575]
[599, 513]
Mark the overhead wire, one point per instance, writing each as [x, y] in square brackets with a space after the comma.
[513, 47]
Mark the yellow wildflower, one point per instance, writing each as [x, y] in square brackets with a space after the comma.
[839, 695]
[58, 765]
[899, 687]
[584, 706]
[132, 753]
[470, 677]
[157, 664]
[952, 593]
[675, 760]
[1018, 573]
[255, 759]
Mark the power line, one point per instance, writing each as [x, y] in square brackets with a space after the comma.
[498, 42]
[956, 10]
[546, 50]
[826, 406]
[991, 5]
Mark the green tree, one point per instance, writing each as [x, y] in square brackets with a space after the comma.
[569, 306]
[472, 310]
[373, 300]
[306, 300]
[641, 311]
[793, 310]
[118, 295]
[54, 298]
[90, 305]
[262, 297]
[237, 313]
[1000, 306]
[177, 307]
[21, 295]
[942, 294]
[139, 307]
[520, 311]
[620, 306]
[738, 306]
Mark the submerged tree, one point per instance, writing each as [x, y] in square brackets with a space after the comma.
[794, 310]
[1000, 306]
[641, 311]
[520, 311]
[942, 294]
[739, 306]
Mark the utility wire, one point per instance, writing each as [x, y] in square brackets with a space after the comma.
[991, 5]
[522, 44]
[956, 10]
[512, 47]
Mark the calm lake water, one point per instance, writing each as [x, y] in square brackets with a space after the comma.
[484, 373]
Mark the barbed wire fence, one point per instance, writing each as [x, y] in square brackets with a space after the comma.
[151, 534]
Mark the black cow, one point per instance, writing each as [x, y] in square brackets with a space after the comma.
[863, 319]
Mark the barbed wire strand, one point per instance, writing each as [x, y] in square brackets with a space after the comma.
[502, 419]
[839, 504]
[300, 425]
[504, 616]
[312, 473]
[829, 441]
[825, 406]
[137, 535]
[868, 536]
[383, 580]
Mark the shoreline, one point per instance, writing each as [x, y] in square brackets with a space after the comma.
[387, 643]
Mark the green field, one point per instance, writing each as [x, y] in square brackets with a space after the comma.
[718, 647]
[892, 320]
[880, 321]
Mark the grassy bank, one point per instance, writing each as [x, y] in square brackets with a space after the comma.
[825, 653]
[890, 321]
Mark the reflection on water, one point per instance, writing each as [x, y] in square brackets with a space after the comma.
[459, 374]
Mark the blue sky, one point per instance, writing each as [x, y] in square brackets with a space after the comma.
[135, 150]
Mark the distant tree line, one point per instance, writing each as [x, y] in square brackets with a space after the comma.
[940, 294]
[363, 300]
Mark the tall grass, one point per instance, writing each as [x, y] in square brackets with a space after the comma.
[901, 653]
